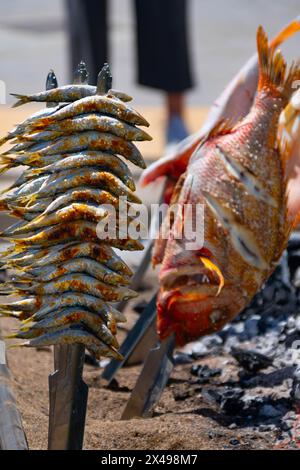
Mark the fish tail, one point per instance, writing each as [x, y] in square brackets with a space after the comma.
[5, 167]
[274, 74]
[22, 99]
[6, 159]
[4, 139]
[29, 200]
[286, 33]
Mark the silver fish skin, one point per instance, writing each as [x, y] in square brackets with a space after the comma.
[25, 189]
[21, 128]
[98, 160]
[81, 283]
[83, 194]
[67, 93]
[72, 179]
[27, 256]
[24, 305]
[70, 232]
[50, 303]
[100, 352]
[87, 122]
[79, 265]
[26, 217]
[34, 161]
[70, 315]
[75, 211]
[120, 95]
[98, 104]
[33, 209]
[60, 253]
[70, 336]
[87, 140]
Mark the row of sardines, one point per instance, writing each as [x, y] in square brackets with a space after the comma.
[64, 275]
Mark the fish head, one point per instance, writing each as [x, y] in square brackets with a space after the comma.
[193, 301]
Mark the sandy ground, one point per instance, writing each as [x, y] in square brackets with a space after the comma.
[177, 424]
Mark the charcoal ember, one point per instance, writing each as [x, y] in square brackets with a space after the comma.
[228, 400]
[234, 442]
[212, 396]
[269, 411]
[294, 243]
[272, 379]
[266, 322]
[182, 358]
[282, 295]
[251, 328]
[199, 350]
[266, 427]
[269, 292]
[231, 401]
[252, 361]
[297, 278]
[295, 392]
[204, 373]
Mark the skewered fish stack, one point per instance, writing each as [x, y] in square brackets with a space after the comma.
[64, 274]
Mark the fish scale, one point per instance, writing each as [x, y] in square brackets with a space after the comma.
[69, 273]
[238, 175]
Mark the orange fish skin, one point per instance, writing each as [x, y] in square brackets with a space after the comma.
[238, 176]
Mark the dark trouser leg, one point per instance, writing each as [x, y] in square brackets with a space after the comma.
[87, 20]
[162, 40]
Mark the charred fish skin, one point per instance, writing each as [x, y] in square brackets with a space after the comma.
[237, 174]
[65, 275]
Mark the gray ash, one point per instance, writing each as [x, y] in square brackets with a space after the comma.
[252, 379]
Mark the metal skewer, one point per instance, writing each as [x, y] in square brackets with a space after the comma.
[68, 393]
[152, 380]
[12, 435]
[135, 337]
[143, 335]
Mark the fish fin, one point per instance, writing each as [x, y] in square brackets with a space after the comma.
[22, 99]
[286, 33]
[4, 139]
[174, 162]
[273, 72]
[222, 127]
[6, 159]
[214, 268]
[289, 129]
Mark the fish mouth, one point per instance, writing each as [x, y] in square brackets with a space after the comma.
[188, 276]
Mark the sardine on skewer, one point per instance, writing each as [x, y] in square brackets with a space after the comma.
[62, 264]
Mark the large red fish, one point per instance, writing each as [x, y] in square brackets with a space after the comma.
[234, 103]
[238, 175]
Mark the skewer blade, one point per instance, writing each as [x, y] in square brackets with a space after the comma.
[133, 339]
[152, 381]
[51, 82]
[104, 81]
[68, 393]
[12, 435]
[139, 274]
[81, 75]
[68, 396]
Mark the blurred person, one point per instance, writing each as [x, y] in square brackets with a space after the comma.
[162, 49]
